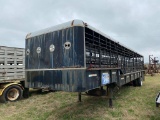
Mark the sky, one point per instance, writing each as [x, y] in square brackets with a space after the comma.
[134, 23]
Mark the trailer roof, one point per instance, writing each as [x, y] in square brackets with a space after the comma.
[57, 27]
[72, 24]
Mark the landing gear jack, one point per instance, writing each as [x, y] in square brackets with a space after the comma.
[79, 97]
[101, 92]
[110, 93]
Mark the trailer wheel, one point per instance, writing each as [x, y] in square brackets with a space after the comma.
[135, 83]
[12, 93]
[139, 82]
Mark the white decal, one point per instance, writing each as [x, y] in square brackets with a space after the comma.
[92, 75]
[105, 79]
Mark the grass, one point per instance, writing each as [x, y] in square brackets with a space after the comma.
[130, 103]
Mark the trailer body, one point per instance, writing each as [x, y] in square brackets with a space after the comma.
[76, 57]
[12, 73]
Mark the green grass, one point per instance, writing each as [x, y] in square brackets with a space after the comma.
[130, 103]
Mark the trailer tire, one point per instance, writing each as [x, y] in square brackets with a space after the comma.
[139, 82]
[12, 93]
[135, 83]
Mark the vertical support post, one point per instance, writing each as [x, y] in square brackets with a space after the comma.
[110, 96]
[106, 54]
[23, 63]
[129, 66]
[117, 55]
[99, 52]
[79, 97]
[5, 59]
[124, 66]
[107, 90]
[136, 63]
[142, 61]
[15, 63]
[110, 55]
[90, 62]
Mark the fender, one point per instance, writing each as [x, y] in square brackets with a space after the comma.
[4, 86]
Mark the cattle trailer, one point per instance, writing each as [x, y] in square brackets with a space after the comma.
[76, 57]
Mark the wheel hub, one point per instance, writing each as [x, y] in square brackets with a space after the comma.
[13, 94]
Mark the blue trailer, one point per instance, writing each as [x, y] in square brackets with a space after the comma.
[76, 57]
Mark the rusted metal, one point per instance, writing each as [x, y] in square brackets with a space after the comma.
[72, 23]
[85, 24]
[152, 67]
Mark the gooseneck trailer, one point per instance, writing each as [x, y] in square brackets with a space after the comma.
[76, 57]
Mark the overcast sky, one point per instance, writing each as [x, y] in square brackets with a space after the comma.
[134, 23]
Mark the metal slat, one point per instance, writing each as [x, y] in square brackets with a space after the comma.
[99, 46]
